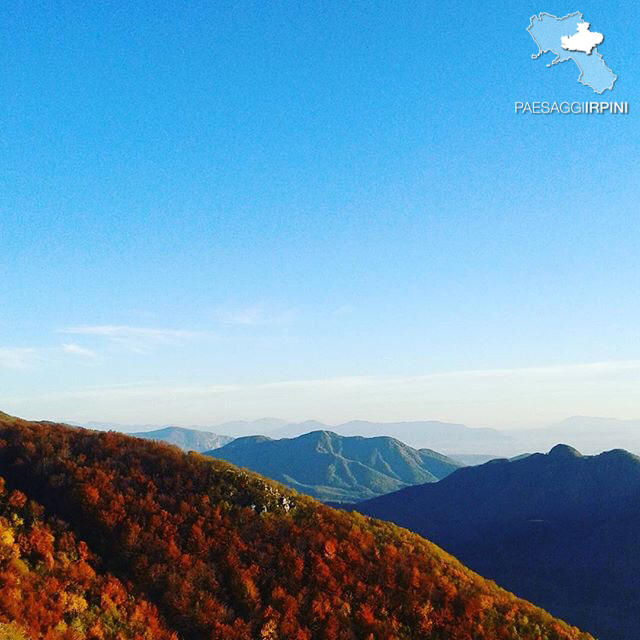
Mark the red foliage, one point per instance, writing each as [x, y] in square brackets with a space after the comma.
[50, 590]
[226, 555]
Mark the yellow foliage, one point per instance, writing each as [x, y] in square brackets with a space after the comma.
[75, 603]
[6, 537]
[269, 630]
[12, 631]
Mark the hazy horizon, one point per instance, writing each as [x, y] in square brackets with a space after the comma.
[492, 398]
[588, 434]
[274, 423]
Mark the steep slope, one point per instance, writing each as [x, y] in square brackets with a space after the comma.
[560, 529]
[226, 555]
[186, 439]
[337, 468]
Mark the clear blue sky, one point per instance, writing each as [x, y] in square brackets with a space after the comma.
[315, 210]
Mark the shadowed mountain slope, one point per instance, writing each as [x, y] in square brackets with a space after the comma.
[561, 529]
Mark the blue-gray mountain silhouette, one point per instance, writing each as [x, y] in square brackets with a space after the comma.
[338, 468]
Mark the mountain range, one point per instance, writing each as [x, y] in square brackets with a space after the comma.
[107, 536]
[441, 436]
[234, 428]
[186, 439]
[470, 445]
[560, 529]
[337, 468]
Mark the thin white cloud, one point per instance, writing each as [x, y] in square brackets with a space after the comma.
[19, 357]
[255, 315]
[137, 339]
[582, 370]
[121, 331]
[75, 349]
[124, 392]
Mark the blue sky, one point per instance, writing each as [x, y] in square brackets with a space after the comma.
[313, 210]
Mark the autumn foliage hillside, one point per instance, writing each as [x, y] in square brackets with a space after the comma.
[224, 554]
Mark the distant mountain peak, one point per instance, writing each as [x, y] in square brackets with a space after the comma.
[338, 468]
[448, 438]
[564, 451]
[317, 434]
[186, 439]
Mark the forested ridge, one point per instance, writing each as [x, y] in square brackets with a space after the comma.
[337, 468]
[221, 553]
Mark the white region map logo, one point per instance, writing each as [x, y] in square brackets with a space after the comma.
[571, 38]
[584, 40]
